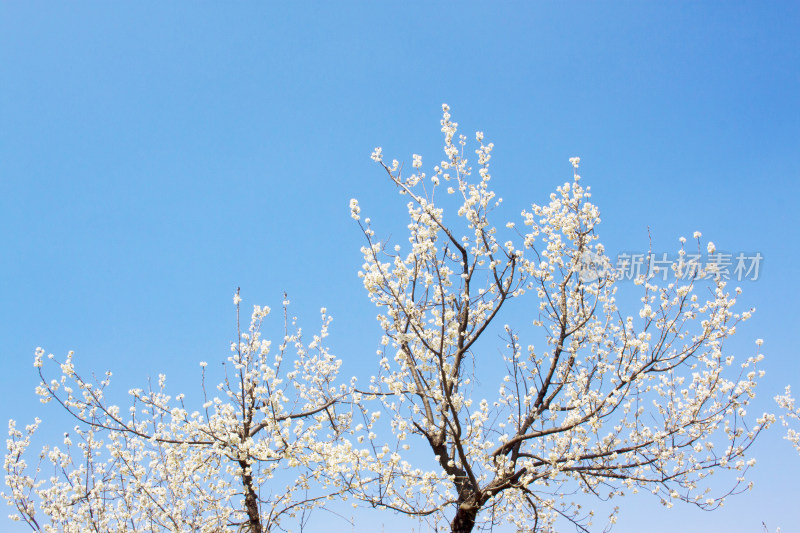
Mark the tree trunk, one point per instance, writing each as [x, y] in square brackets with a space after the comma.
[250, 500]
[464, 520]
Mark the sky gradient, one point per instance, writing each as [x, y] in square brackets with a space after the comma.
[154, 157]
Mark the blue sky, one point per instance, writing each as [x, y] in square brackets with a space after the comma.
[153, 157]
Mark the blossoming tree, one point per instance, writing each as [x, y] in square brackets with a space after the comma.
[608, 403]
[248, 459]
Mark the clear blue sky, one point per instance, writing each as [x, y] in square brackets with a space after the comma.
[154, 156]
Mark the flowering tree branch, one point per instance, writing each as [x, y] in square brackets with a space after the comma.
[790, 416]
[255, 457]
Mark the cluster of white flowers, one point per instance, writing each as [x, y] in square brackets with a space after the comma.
[790, 417]
[354, 209]
[255, 456]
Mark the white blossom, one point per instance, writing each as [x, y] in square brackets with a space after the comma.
[354, 209]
